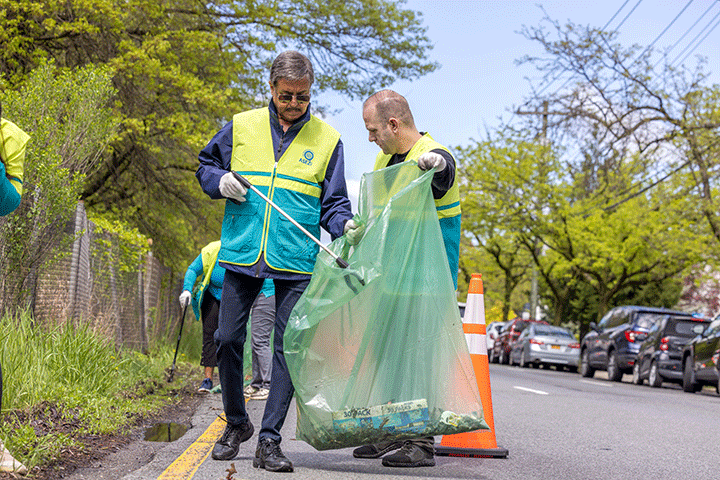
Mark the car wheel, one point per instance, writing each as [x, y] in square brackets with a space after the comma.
[654, 378]
[689, 384]
[585, 369]
[613, 369]
[523, 361]
[636, 374]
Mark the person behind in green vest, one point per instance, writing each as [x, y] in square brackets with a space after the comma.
[297, 160]
[262, 319]
[206, 307]
[391, 126]
[12, 164]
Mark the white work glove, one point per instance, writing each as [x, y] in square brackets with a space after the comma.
[185, 297]
[429, 160]
[353, 232]
[230, 187]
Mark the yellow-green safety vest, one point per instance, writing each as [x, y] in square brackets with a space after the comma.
[448, 206]
[12, 151]
[209, 256]
[253, 228]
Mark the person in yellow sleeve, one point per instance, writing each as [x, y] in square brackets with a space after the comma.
[391, 126]
[297, 160]
[12, 160]
[12, 153]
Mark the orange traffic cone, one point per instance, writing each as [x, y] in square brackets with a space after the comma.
[480, 443]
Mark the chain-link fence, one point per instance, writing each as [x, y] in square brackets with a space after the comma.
[83, 282]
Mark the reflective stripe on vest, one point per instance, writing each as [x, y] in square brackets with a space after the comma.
[294, 183]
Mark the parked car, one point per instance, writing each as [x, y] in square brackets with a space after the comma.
[614, 343]
[701, 359]
[660, 357]
[546, 345]
[508, 335]
[492, 333]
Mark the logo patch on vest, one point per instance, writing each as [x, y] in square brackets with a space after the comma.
[307, 157]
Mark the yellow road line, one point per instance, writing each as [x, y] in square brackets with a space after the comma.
[185, 466]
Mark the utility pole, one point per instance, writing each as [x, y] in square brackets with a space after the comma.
[543, 141]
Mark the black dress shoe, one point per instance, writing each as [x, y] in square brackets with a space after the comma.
[269, 456]
[227, 447]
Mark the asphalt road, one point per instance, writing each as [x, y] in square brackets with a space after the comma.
[556, 425]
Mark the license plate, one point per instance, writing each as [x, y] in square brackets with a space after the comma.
[555, 347]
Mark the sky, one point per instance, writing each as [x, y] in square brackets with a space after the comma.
[478, 83]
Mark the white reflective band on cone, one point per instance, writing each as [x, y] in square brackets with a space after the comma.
[477, 343]
[474, 309]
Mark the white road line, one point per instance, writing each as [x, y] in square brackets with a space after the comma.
[601, 384]
[539, 392]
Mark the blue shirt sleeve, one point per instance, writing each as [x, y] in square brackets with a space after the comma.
[193, 272]
[9, 197]
[335, 208]
[215, 161]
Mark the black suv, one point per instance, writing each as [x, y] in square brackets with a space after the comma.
[614, 343]
[660, 356]
[701, 359]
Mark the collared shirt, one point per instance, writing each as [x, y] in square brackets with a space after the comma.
[335, 208]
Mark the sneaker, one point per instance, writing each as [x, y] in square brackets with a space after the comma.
[249, 390]
[260, 394]
[410, 455]
[217, 388]
[376, 450]
[269, 456]
[205, 386]
[227, 447]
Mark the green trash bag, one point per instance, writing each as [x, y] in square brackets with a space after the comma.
[376, 351]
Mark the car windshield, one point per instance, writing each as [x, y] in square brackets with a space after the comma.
[684, 328]
[647, 320]
[554, 331]
[520, 326]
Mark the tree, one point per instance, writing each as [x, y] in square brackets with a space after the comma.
[68, 118]
[667, 120]
[183, 68]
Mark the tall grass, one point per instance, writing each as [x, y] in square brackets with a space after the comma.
[78, 373]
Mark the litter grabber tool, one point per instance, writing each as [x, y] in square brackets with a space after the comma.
[182, 322]
[246, 183]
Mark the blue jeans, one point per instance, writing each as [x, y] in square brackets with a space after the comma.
[238, 295]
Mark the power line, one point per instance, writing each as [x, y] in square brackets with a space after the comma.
[628, 15]
[688, 30]
[695, 38]
[703, 39]
[666, 28]
[603, 28]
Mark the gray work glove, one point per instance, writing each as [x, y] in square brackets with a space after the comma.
[354, 231]
[230, 187]
[429, 160]
[185, 297]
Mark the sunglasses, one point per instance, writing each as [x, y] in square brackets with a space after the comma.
[287, 97]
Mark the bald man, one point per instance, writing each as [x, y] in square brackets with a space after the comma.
[391, 126]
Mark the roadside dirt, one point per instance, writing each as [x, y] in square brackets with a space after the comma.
[106, 456]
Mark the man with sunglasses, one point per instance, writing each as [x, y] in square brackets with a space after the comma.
[297, 160]
[391, 126]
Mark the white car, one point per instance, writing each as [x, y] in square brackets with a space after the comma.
[492, 333]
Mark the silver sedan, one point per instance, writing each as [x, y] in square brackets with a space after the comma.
[546, 345]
